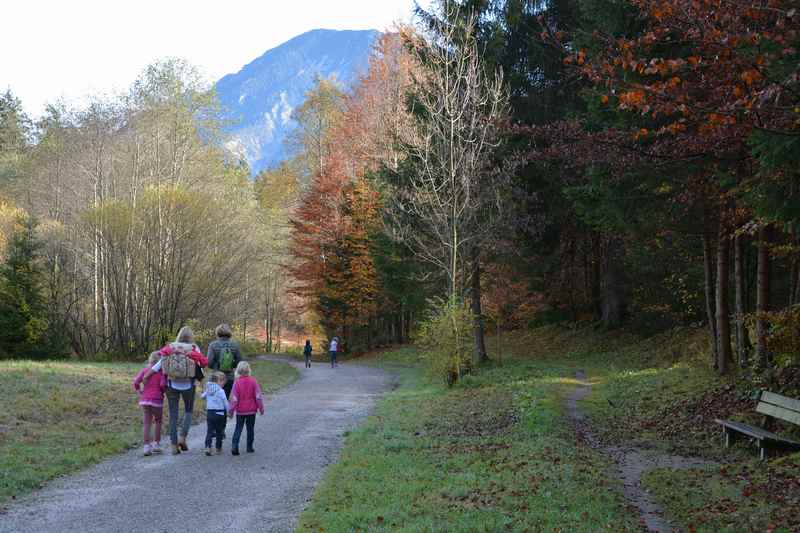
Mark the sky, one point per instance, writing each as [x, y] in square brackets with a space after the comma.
[51, 49]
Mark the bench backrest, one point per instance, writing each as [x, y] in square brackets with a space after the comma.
[778, 406]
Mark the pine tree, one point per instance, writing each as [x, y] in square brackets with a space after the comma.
[23, 313]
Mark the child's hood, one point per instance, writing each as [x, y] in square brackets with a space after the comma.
[212, 388]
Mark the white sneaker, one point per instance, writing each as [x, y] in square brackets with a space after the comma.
[147, 450]
[155, 448]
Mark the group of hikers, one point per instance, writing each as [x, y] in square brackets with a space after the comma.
[333, 350]
[229, 390]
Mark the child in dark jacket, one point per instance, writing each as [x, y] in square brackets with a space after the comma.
[151, 400]
[246, 400]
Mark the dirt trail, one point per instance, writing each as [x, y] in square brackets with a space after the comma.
[632, 463]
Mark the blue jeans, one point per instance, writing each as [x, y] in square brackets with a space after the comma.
[173, 400]
[241, 421]
[333, 359]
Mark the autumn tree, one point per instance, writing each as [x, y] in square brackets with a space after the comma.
[448, 207]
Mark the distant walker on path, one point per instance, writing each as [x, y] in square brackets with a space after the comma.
[334, 348]
[307, 349]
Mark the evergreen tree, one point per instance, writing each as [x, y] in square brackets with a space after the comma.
[23, 312]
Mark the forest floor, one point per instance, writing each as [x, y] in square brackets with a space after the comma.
[61, 416]
[626, 444]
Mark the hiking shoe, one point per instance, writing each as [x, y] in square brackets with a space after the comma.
[147, 450]
[182, 444]
[250, 450]
[155, 448]
[219, 451]
[235, 451]
[176, 450]
[209, 452]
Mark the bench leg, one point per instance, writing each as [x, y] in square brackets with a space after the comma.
[727, 436]
[762, 451]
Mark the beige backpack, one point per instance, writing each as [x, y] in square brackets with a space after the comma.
[178, 365]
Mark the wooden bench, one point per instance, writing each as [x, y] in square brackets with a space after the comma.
[770, 405]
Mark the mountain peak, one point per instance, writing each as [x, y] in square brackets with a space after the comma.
[259, 99]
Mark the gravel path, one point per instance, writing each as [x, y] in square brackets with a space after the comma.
[300, 434]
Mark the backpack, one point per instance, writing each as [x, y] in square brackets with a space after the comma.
[178, 365]
[226, 359]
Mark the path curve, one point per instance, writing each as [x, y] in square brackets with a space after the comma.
[300, 434]
[632, 463]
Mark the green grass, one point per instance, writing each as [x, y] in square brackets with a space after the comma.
[64, 416]
[491, 454]
[437, 459]
[659, 393]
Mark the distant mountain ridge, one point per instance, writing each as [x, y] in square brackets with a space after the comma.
[259, 99]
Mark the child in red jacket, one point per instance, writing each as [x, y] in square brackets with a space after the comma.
[151, 400]
[246, 400]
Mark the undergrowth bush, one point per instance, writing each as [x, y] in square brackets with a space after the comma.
[446, 336]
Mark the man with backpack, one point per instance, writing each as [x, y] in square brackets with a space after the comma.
[224, 355]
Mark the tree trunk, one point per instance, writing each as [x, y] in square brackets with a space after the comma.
[723, 310]
[742, 339]
[613, 288]
[763, 295]
[709, 259]
[480, 354]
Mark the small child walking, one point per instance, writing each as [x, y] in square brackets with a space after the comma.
[307, 353]
[246, 400]
[151, 400]
[216, 410]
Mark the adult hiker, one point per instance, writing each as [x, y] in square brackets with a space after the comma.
[307, 349]
[333, 348]
[179, 362]
[224, 355]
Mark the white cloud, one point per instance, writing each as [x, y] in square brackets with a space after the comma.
[53, 48]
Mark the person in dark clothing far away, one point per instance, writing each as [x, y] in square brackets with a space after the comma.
[307, 349]
[224, 355]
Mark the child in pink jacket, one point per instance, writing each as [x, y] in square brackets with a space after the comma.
[151, 400]
[246, 400]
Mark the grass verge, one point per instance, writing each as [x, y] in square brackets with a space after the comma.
[659, 393]
[63, 416]
[491, 454]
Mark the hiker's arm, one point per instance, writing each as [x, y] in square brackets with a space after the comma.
[152, 370]
[137, 381]
[212, 357]
[199, 358]
[234, 400]
[259, 399]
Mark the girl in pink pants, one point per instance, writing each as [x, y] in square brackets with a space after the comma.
[151, 400]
